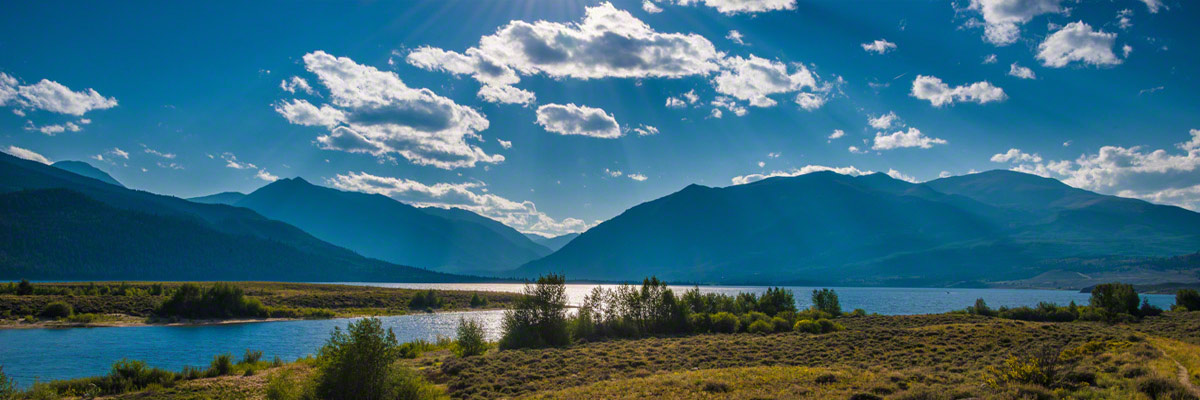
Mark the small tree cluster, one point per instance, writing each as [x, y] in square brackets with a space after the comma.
[425, 300]
[538, 318]
[1188, 300]
[221, 300]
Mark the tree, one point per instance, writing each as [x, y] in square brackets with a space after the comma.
[826, 300]
[24, 288]
[8, 388]
[471, 341]
[477, 301]
[1115, 299]
[777, 300]
[357, 364]
[538, 318]
[1189, 299]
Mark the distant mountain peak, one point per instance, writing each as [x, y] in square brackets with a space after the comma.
[85, 169]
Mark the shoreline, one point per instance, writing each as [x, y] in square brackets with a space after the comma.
[127, 321]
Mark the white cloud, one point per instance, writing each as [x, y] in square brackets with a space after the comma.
[571, 119]
[990, 59]
[716, 113]
[637, 177]
[773, 155]
[51, 130]
[1016, 156]
[736, 37]
[807, 169]
[901, 176]
[1003, 18]
[1021, 72]
[608, 43]
[743, 6]
[1125, 50]
[266, 176]
[523, 216]
[675, 102]
[837, 133]
[117, 152]
[294, 84]
[231, 161]
[51, 96]
[902, 139]
[754, 79]
[151, 151]
[1154, 6]
[683, 100]
[645, 130]
[372, 111]
[1155, 175]
[613, 173]
[1077, 42]
[26, 154]
[1123, 18]
[939, 93]
[729, 104]
[691, 96]
[505, 94]
[945, 174]
[650, 7]
[809, 101]
[883, 121]
[879, 46]
[504, 143]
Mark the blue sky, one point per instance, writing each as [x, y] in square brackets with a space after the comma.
[551, 115]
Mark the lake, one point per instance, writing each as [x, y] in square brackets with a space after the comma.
[47, 354]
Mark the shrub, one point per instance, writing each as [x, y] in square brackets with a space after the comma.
[807, 325]
[1114, 299]
[700, 322]
[538, 318]
[56, 310]
[470, 340]
[724, 322]
[826, 300]
[8, 388]
[776, 300]
[477, 301]
[761, 326]
[222, 300]
[781, 325]
[1149, 310]
[283, 386]
[829, 326]
[357, 364]
[858, 312]
[1189, 299]
[24, 288]
[251, 357]
[425, 300]
[221, 365]
[751, 317]
[981, 308]
[1162, 388]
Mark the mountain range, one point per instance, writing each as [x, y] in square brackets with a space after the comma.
[56, 225]
[72, 221]
[829, 228]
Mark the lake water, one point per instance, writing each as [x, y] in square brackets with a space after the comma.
[47, 354]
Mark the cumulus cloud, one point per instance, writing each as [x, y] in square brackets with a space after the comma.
[571, 119]
[807, 169]
[1003, 18]
[51, 96]
[505, 94]
[608, 43]
[231, 161]
[650, 7]
[939, 93]
[990, 59]
[266, 176]
[504, 143]
[1021, 72]
[645, 130]
[374, 112]
[1161, 176]
[637, 177]
[295, 84]
[523, 216]
[1016, 156]
[753, 79]
[1078, 42]
[735, 36]
[1154, 6]
[683, 100]
[837, 133]
[884, 121]
[147, 150]
[879, 46]
[26, 154]
[54, 129]
[743, 6]
[904, 139]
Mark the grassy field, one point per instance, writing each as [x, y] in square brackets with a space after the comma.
[120, 303]
[877, 357]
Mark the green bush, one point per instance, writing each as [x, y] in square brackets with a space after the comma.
[761, 326]
[751, 317]
[1149, 310]
[251, 357]
[538, 318]
[56, 310]
[724, 322]
[781, 325]
[700, 322]
[807, 325]
[24, 288]
[477, 301]
[470, 340]
[283, 386]
[8, 387]
[1189, 299]
[221, 365]
[222, 300]
[358, 364]
[981, 308]
[826, 300]
[425, 300]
